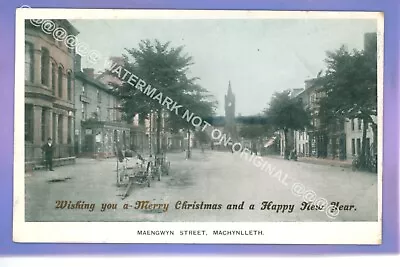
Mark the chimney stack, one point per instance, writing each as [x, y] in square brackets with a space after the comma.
[78, 62]
[117, 60]
[89, 72]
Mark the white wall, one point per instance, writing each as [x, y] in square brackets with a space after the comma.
[355, 134]
[301, 140]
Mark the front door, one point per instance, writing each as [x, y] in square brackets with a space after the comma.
[89, 143]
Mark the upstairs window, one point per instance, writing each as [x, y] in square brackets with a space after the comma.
[28, 62]
[45, 66]
[60, 81]
[53, 78]
[28, 123]
[69, 86]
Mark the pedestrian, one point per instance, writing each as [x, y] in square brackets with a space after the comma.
[48, 149]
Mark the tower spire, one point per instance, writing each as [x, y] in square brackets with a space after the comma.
[229, 88]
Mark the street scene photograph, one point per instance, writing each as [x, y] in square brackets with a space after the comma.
[202, 120]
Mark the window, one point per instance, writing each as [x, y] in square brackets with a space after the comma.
[353, 146]
[29, 62]
[69, 85]
[352, 124]
[43, 125]
[28, 123]
[312, 99]
[84, 111]
[108, 114]
[45, 66]
[53, 78]
[315, 122]
[358, 146]
[83, 90]
[60, 129]
[60, 81]
[359, 123]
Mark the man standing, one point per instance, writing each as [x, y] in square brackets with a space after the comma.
[48, 154]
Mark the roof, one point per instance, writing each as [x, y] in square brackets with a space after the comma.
[82, 76]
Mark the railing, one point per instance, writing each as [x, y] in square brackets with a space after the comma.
[34, 153]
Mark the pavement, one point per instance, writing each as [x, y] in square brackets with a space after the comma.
[321, 161]
[219, 178]
[331, 162]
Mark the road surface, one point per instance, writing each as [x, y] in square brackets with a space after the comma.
[215, 178]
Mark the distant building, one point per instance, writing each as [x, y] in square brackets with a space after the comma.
[100, 128]
[322, 139]
[230, 123]
[337, 140]
[353, 128]
[139, 126]
[49, 94]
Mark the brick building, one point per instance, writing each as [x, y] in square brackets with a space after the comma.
[49, 91]
[99, 123]
[139, 132]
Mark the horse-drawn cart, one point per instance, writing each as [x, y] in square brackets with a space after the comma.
[140, 171]
[133, 171]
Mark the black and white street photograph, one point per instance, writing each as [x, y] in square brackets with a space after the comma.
[186, 119]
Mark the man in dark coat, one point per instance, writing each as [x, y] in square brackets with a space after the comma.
[48, 154]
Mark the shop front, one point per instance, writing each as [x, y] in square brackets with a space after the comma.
[101, 139]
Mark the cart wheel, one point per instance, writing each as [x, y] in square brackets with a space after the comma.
[123, 177]
[120, 176]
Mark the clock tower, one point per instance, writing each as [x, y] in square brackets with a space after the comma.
[230, 125]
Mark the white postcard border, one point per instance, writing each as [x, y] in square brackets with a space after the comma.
[126, 232]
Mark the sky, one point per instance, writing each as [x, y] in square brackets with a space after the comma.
[259, 57]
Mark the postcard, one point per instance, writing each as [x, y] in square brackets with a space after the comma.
[217, 127]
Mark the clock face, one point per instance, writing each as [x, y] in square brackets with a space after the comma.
[229, 104]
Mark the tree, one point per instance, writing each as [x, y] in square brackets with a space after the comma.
[201, 103]
[286, 113]
[350, 89]
[165, 68]
[254, 132]
[202, 137]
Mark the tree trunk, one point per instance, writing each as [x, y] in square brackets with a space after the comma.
[188, 144]
[285, 144]
[363, 162]
[159, 126]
